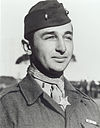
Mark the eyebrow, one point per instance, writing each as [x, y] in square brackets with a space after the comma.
[68, 32]
[53, 32]
[46, 33]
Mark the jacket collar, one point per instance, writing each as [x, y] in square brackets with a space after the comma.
[30, 89]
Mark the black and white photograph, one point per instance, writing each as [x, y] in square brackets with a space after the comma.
[49, 64]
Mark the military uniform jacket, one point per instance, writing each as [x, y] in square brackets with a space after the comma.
[27, 106]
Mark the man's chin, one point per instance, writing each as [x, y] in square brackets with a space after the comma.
[59, 68]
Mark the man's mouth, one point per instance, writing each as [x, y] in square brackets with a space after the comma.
[59, 59]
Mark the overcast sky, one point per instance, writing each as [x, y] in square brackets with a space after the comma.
[85, 15]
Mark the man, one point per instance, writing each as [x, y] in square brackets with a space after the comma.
[44, 98]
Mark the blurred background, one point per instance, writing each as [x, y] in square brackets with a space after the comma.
[83, 71]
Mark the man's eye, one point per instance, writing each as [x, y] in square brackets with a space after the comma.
[68, 38]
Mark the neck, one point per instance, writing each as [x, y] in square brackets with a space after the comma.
[34, 72]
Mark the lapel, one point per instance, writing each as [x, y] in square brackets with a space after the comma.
[53, 105]
[30, 89]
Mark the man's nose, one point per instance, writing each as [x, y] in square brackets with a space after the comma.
[60, 46]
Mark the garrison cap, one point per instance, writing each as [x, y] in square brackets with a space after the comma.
[45, 14]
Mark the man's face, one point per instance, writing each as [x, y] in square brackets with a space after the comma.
[53, 47]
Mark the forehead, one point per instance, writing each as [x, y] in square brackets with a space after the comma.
[57, 29]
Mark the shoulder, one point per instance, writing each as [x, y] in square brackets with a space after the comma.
[85, 102]
[82, 100]
[9, 98]
[84, 107]
[13, 95]
[87, 99]
[13, 90]
[9, 90]
[88, 105]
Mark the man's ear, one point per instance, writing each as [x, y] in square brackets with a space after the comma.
[27, 47]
